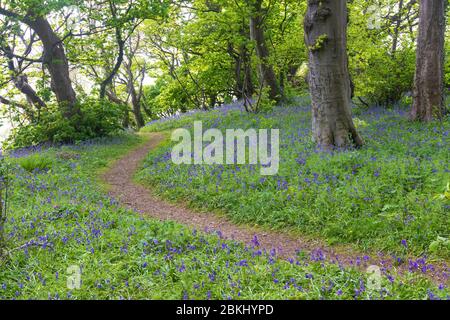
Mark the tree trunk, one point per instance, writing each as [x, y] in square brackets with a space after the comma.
[121, 48]
[137, 110]
[56, 62]
[428, 92]
[21, 83]
[54, 59]
[115, 99]
[398, 22]
[212, 100]
[248, 88]
[135, 101]
[243, 72]
[237, 71]
[110, 77]
[282, 77]
[329, 80]
[266, 73]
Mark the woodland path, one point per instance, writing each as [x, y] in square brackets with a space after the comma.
[139, 198]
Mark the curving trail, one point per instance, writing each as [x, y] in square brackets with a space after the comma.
[139, 198]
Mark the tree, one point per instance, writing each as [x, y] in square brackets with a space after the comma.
[20, 81]
[244, 88]
[266, 72]
[329, 81]
[428, 92]
[124, 21]
[132, 79]
[15, 67]
[381, 47]
[53, 57]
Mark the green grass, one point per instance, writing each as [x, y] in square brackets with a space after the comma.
[62, 218]
[36, 162]
[376, 198]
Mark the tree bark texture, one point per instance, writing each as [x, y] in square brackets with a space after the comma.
[266, 72]
[57, 64]
[329, 80]
[428, 91]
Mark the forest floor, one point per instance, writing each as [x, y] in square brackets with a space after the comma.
[288, 245]
[61, 222]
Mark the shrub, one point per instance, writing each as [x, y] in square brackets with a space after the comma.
[98, 119]
[262, 102]
[440, 247]
[383, 79]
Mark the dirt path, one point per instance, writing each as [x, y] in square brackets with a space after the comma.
[140, 199]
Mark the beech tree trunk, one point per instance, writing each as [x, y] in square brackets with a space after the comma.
[56, 62]
[428, 92]
[266, 72]
[329, 80]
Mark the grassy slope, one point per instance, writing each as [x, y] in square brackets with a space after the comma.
[60, 217]
[377, 198]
